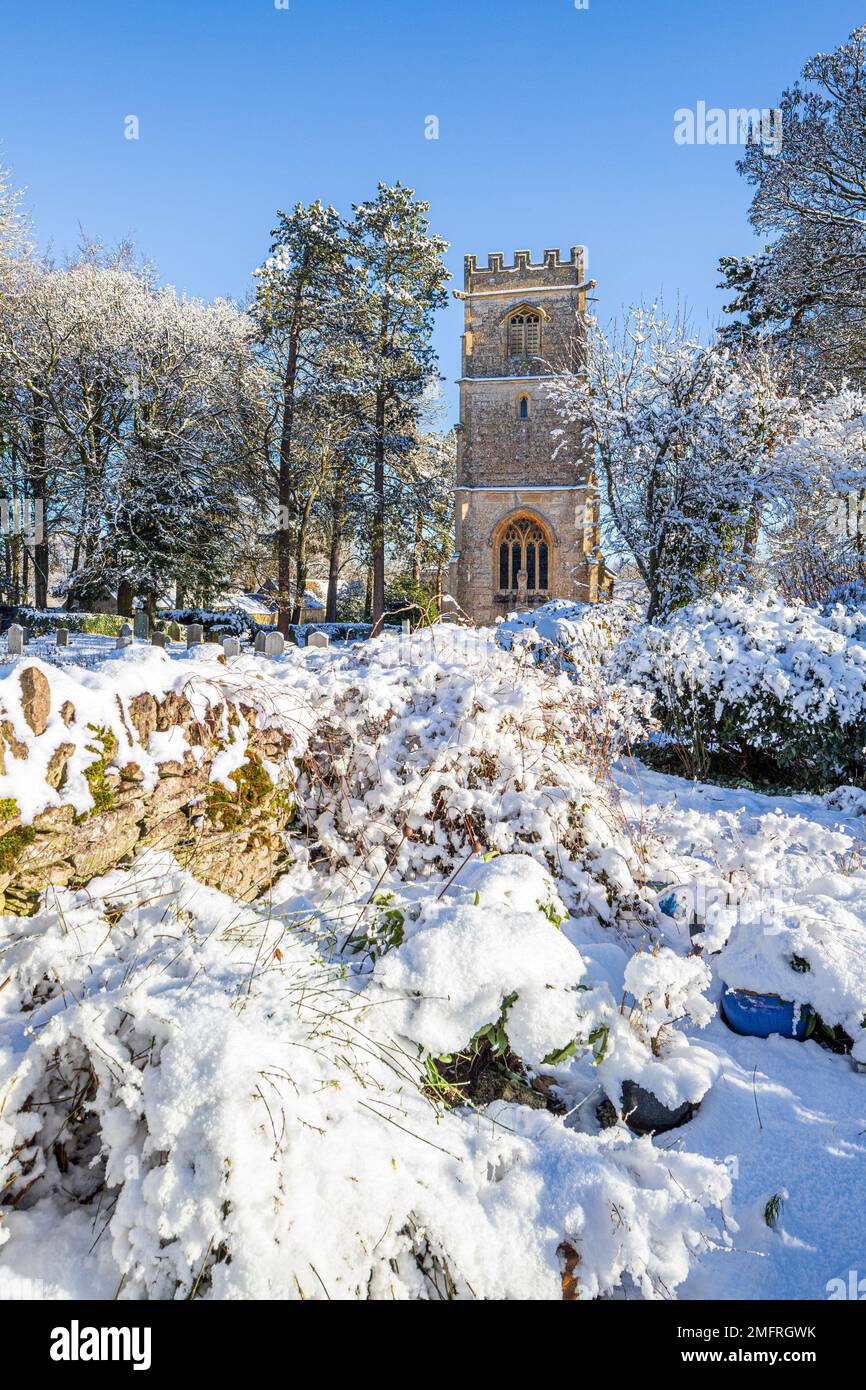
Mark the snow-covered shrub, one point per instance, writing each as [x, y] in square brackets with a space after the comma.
[580, 636]
[220, 622]
[662, 988]
[195, 1106]
[42, 621]
[421, 751]
[764, 682]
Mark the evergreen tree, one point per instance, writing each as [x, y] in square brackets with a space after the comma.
[403, 287]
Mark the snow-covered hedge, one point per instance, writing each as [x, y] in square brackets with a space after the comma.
[755, 676]
[41, 621]
[580, 637]
[231, 622]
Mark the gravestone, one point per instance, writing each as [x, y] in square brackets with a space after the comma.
[275, 644]
[260, 641]
[232, 646]
[173, 632]
[318, 639]
[15, 640]
[124, 638]
[141, 624]
[159, 639]
[194, 634]
[406, 627]
[62, 637]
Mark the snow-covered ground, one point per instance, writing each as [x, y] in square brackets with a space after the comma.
[202, 1097]
[784, 1116]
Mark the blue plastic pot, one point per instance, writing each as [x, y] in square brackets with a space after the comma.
[760, 1015]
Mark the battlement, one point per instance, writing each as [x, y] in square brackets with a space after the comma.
[552, 262]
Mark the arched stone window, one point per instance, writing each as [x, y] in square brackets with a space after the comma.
[523, 408]
[524, 547]
[524, 334]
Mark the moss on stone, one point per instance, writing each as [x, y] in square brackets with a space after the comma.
[8, 807]
[105, 746]
[253, 789]
[12, 845]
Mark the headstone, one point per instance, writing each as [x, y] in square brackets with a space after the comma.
[124, 638]
[26, 635]
[63, 637]
[406, 627]
[318, 639]
[232, 646]
[194, 634]
[15, 640]
[141, 624]
[260, 641]
[173, 632]
[159, 639]
[275, 644]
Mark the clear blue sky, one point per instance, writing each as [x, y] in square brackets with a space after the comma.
[556, 126]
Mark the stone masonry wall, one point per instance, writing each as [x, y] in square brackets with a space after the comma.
[228, 835]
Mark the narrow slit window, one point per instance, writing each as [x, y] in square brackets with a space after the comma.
[516, 558]
[503, 566]
[542, 566]
[524, 408]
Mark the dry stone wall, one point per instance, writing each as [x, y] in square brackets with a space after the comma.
[148, 778]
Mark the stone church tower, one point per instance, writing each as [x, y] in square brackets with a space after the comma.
[526, 523]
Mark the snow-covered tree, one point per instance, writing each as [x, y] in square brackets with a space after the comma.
[684, 439]
[304, 311]
[403, 287]
[817, 529]
[808, 287]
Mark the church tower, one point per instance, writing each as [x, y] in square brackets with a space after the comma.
[526, 521]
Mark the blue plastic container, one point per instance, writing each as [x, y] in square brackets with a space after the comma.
[760, 1015]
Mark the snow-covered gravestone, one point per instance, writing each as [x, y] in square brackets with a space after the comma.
[260, 641]
[62, 637]
[159, 639]
[275, 644]
[194, 634]
[318, 639]
[231, 646]
[406, 627]
[141, 623]
[124, 637]
[15, 640]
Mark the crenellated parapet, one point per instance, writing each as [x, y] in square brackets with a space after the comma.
[570, 269]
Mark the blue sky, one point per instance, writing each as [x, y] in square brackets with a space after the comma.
[555, 126]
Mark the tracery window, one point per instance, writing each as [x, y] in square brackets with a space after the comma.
[524, 545]
[524, 335]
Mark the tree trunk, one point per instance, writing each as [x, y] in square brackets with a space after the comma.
[286, 480]
[416, 549]
[378, 540]
[334, 553]
[368, 593]
[125, 596]
[301, 560]
[38, 474]
[753, 530]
